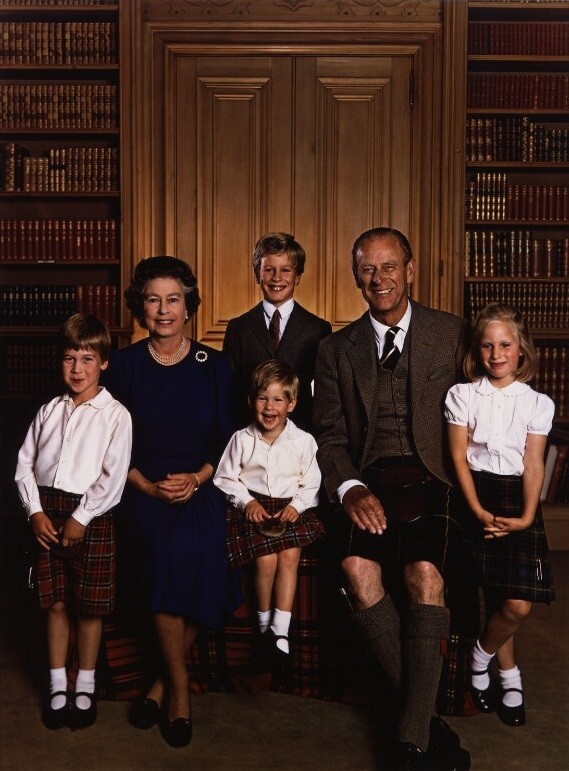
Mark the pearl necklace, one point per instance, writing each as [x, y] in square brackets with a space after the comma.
[167, 361]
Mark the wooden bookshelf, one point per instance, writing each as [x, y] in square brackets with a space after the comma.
[516, 245]
[60, 239]
[60, 195]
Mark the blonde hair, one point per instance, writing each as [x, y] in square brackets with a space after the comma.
[273, 371]
[507, 314]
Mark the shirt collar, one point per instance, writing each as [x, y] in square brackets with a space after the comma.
[380, 330]
[485, 387]
[285, 309]
[99, 401]
[290, 430]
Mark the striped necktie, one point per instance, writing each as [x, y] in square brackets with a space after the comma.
[390, 354]
[275, 329]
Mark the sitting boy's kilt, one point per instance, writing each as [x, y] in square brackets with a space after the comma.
[245, 543]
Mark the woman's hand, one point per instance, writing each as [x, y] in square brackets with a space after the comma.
[177, 488]
[254, 512]
[288, 514]
[44, 530]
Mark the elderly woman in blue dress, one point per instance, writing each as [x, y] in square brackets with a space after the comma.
[178, 393]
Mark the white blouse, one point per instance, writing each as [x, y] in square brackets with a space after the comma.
[287, 468]
[498, 420]
[83, 450]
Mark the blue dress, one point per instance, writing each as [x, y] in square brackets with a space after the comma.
[182, 419]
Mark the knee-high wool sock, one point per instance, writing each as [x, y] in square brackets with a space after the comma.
[425, 627]
[380, 627]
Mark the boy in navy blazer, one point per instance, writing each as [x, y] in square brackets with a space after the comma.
[293, 336]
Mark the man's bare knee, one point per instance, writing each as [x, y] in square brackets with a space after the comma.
[424, 583]
[364, 582]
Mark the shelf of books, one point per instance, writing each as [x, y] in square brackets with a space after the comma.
[516, 244]
[59, 181]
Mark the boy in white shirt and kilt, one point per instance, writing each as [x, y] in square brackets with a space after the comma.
[270, 476]
[71, 472]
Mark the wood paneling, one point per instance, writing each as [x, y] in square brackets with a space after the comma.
[249, 124]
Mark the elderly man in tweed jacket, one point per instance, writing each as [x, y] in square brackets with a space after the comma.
[378, 416]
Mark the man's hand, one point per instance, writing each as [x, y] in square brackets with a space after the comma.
[364, 509]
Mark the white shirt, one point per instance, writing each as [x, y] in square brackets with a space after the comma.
[83, 450]
[380, 330]
[286, 468]
[498, 420]
[285, 310]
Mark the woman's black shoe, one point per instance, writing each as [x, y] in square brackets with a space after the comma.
[178, 733]
[512, 715]
[83, 718]
[484, 701]
[144, 714]
[55, 718]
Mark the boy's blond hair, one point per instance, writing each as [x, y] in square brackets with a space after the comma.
[83, 331]
[273, 371]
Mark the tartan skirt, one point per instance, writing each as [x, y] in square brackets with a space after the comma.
[516, 566]
[245, 543]
[86, 581]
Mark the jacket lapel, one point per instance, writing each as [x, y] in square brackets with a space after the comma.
[423, 336]
[363, 358]
[257, 326]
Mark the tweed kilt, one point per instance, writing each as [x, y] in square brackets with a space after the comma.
[245, 543]
[516, 566]
[87, 581]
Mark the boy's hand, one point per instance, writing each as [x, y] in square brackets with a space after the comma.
[254, 512]
[72, 532]
[288, 514]
[43, 529]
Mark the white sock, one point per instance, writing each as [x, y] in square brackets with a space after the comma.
[264, 619]
[58, 682]
[479, 662]
[279, 626]
[86, 683]
[511, 678]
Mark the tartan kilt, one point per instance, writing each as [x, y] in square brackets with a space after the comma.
[86, 581]
[245, 543]
[516, 566]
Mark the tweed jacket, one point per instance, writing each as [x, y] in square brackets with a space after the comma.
[247, 344]
[345, 407]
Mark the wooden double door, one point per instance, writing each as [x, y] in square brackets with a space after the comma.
[238, 136]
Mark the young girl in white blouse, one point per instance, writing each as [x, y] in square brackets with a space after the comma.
[269, 474]
[498, 427]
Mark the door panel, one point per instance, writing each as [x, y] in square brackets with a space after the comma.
[319, 146]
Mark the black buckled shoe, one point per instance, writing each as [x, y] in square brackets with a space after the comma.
[178, 733]
[484, 701]
[83, 718]
[512, 715]
[145, 714]
[55, 718]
